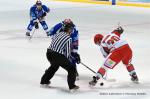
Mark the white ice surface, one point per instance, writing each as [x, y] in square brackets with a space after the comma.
[23, 62]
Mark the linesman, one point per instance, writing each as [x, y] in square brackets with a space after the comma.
[58, 54]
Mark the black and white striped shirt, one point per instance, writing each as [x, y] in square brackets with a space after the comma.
[61, 43]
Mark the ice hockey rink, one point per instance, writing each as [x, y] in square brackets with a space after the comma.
[23, 61]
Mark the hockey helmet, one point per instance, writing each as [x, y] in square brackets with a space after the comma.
[98, 38]
[68, 22]
[119, 30]
[38, 3]
[67, 27]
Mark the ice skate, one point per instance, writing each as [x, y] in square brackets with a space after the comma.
[134, 78]
[74, 89]
[27, 34]
[45, 84]
[93, 82]
[47, 33]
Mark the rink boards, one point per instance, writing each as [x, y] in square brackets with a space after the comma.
[120, 3]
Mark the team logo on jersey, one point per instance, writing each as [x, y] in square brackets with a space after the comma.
[110, 63]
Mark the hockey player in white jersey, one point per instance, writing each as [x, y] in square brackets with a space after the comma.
[115, 50]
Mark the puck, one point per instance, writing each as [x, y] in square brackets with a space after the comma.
[101, 84]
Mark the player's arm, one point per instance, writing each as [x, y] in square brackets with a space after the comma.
[32, 13]
[45, 8]
[33, 17]
[104, 51]
[55, 29]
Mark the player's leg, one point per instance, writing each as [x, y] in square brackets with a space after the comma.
[127, 61]
[45, 27]
[110, 62]
[77, 74]
[30, 27]
[73, 61]
[49, 73]
[132, 72]
[100, 74]
[70, 68]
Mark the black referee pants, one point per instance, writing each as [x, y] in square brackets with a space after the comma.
[56, 60]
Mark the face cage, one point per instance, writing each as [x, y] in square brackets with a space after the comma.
[98, 43]
[39, 7]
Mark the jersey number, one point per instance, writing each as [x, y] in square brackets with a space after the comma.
[112, 40]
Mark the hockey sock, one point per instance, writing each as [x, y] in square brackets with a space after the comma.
[101, 72]
[130, 69]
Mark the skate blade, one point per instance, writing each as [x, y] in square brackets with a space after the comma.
[45, 86]
[75, 90]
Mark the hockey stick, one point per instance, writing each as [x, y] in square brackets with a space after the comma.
[85, 66]
[33, 31]
[32, 34]
[105, 78]
[119, 24]
[88, 68]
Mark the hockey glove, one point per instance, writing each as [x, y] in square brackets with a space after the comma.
[76, 56]
[36, 25]
[44, 14]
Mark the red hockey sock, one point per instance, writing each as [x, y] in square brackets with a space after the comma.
[102, 71]
[130, 68]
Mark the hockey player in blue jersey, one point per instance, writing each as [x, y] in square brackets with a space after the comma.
[37, 14]
[75, 40]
